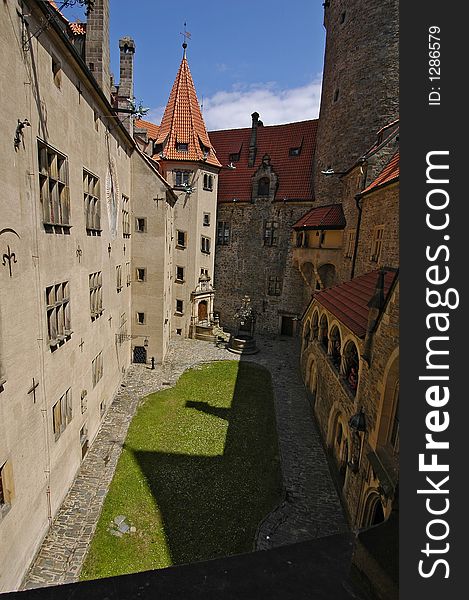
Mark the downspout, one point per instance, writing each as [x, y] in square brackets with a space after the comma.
[359, 220]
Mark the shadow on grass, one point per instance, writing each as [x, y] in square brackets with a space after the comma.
[211, 505]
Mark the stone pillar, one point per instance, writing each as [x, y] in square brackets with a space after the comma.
[97, 50]
[125, 92]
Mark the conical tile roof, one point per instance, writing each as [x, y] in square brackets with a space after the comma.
[182, 131]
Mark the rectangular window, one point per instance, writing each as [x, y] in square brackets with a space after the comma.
[125, 217]
[58, 314]
[208, 182]
[270, 233]
[350, 244]
[141, 274]
[92, 203]
[233, 157]
[377, 243]
[96, 295]
[181, 178]
[204, 272]
[119, 278]
[84, 440]
[182, 147]
[223, 233]
[275, 286]
[180, 274]
[62, 414]
[140, 224]
[205, 245]
[97, 369]
[141, 318]
[128, 278]
[206, 220]
[180, 307]
[54, 190]
[181, 240]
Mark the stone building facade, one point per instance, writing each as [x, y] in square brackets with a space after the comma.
[264, 187]
[68, 285]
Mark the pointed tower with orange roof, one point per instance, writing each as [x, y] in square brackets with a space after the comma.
[188, 161]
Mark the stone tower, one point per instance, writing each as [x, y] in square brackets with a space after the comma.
[360, 86]
[125, 91]
[97, 50]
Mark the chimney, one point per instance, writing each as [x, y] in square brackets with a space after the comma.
[97, 52]
[125, 92]
[253, 142]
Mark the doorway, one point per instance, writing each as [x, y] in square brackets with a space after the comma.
[140, 354]
[286, 327]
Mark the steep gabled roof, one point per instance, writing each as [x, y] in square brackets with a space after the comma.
[349, 301]
[323, 217]
[183, 123]
[389, 174]
[294, 171]
[152, 129]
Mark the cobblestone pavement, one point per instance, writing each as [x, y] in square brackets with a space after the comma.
[310, 507]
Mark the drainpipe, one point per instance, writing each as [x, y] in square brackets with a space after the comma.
[359, 220]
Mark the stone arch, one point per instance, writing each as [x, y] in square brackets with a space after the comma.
[388, 420]
[324, 331]
[315, 324]
[306, 335]
[335, 346]
[373, 509]
[327, 275]
[263, 186]
[350, 366]
[339, 443]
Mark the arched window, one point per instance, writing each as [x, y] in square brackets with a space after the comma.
[315, 325]
[335, 348]
[263, 186]
[350, 366]
[306, 335]
[324, 333]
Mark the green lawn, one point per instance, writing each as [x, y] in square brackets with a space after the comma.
[198, 472]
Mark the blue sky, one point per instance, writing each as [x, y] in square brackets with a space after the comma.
[244, 55]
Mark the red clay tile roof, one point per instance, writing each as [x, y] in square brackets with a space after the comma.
[294, 172]
[152, 129]
[323, 217]
[388, 174]
[183, 122]
[349, 301]
[75, 28]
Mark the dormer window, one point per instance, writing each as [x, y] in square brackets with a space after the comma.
[234, 157]
[182, 147]
[294, 152]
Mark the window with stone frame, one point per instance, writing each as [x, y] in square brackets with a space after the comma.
[92, 203]
[58, 314]
[141, 273]
[263, 186]
[119, 278]
[180, 274]
[181, 239]
[182, 178]
[54, 191]
[270, 233]
[56, 71]
[141, 318]
[275, 286]
[96, 369]
[140, 225]
[208, 182]
[122, 335]
[377, 243]
[125, 217]
[96, 294]
[128, 277]
[206, 219]
[180, 307]
[62, 414]
[301, 239]
[350, 244]
[223, 233]
[205, 244]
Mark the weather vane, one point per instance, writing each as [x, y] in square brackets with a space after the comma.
[187, 36]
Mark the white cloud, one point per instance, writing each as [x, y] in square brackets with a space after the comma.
[228, 110]
[233, 109]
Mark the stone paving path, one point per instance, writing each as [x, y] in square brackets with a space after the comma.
[310, 507]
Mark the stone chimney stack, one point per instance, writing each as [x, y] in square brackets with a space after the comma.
[97, 50]
[126, 82]
[253, 142]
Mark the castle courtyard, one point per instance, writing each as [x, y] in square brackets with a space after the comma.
[305, 505]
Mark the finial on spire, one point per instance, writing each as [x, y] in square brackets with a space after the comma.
[187, 36]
